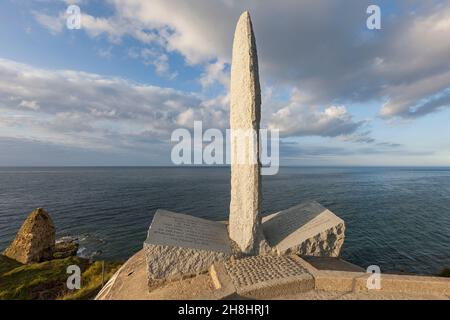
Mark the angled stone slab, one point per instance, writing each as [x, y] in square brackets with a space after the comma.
[264, 276]
[307, 229]
[180, 245]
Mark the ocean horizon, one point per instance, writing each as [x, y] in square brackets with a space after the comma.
[396, 217]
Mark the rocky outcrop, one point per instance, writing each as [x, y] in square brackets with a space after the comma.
[35, 241]
[65, 249]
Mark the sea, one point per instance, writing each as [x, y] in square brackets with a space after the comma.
[397, 218]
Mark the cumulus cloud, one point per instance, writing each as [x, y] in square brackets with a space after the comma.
[319, 51]
[90, 110]
[54, 24]
[321, 47]
[298, 119]
[414, 99]
[86, 110]
[215, 72]
[159, 60]
[32, 104]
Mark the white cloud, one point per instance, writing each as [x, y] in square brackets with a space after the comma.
[90, 110]
[186, 118]
[30, 104]
[54, 24]
[215, 73]
[318, 46]
[105, 53]
[416, 98]
[95, 27]
[159, 60]
[297, 119]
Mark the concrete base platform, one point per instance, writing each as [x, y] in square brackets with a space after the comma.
[332, 264]
[130, 283]
[356, 282]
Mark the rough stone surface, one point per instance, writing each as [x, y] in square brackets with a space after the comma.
[130, 283]
[165, 263]
[35, 240]
[307, 229]
[179, 245]
[252, 270]
[223, 285]
[181, 230]
[245, 113]
[64, 249]
[266, 276]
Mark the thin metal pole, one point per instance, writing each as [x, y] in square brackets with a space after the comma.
[103, 273]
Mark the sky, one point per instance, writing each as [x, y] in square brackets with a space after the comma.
[112, 92]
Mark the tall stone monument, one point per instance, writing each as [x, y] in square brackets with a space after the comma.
[245, 114]
[179, 245]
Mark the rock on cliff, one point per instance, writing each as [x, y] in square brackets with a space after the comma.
[65, 249]
[35, 240]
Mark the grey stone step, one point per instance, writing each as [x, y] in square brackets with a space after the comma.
[261, 277]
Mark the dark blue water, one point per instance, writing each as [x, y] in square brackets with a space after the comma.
[397, 218]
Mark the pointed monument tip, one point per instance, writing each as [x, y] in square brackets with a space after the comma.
[245, 15]
[244, 23]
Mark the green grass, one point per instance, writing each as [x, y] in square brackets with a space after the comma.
[445, 273]
[47, 280]
[91, 282]
[7, 264]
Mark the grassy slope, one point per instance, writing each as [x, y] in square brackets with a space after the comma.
[47, 280]
[445, 273]
[92, 281]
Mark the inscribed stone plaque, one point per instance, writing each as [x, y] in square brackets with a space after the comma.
[306, 229]
[268, 276]
[179, 245]
[180, 230]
